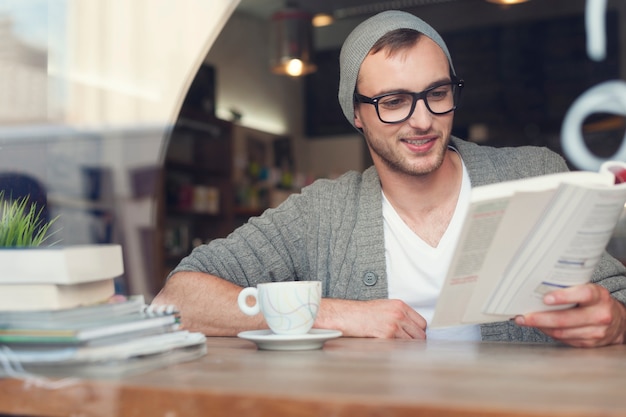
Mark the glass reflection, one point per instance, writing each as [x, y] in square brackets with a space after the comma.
[90, 90]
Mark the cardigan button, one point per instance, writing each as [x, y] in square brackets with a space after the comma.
[369, 279]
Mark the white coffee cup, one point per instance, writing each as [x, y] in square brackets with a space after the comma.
[289, 307]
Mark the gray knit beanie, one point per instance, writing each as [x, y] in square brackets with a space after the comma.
[358, 44]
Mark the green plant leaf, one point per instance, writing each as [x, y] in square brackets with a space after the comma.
[21, 224]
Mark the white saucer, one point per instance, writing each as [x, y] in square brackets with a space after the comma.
[267, 340]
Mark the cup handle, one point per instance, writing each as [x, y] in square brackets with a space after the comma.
[243, 305]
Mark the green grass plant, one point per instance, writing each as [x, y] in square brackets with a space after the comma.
[21, 224]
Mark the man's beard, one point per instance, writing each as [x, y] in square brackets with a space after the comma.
[399, 164]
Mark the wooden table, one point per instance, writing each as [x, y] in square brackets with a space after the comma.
[351, 378]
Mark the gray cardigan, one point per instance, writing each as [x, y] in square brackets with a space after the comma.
[333, 232]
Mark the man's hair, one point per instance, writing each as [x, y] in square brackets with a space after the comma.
[372, 33]
[395, 41]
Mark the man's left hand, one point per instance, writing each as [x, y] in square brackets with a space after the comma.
[597, 319]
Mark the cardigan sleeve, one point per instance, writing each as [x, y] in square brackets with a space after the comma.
[268, 247]
[331, 232]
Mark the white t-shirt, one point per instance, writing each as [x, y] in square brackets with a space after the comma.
[416, 271]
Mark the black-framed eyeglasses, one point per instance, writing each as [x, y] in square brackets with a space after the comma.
[397, 107]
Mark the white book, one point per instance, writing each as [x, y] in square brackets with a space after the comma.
[61, 264]
[34, 297]
[524, 238]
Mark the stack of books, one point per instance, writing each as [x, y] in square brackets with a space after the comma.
[58, 277]
[103, 340]
[58, 317]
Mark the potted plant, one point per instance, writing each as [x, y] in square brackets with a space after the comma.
[21, 224]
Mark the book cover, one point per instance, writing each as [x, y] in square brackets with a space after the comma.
[61, 265]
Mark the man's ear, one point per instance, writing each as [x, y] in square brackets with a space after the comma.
[357, 119]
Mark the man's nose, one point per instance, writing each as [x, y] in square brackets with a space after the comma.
[422, 117]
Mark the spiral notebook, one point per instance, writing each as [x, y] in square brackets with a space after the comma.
[96, 324]
[112, 339]
[133, 304]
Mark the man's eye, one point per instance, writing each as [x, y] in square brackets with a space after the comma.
[438, 94]
[394, 101]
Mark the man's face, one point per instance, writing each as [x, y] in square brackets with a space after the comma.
[418, 145]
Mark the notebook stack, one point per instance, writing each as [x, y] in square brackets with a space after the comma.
[57, 317]
[103, 340]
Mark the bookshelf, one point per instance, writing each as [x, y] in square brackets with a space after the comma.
[197, 193]
[216, 175]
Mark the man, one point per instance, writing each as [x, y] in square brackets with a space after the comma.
[381, 241]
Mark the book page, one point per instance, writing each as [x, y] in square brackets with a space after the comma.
[541, 183]
[480, 226]
[483, 250]
[563, 251]
[524, 210]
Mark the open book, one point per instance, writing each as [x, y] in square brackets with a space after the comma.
[524, 238]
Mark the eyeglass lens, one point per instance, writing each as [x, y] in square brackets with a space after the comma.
[398, 107]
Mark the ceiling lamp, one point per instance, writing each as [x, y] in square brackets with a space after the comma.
[323, 19]
[292, 42]
[507, 2]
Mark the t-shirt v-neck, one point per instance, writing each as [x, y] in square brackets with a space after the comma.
[415, 270]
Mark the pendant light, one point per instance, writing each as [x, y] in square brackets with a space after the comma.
[291, 42]
[507, 2]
